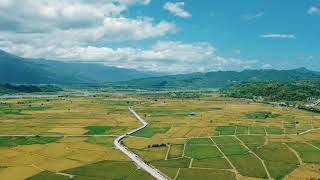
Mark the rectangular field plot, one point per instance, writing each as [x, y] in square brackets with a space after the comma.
[248, 165]
[226, 130]
[257, 130]
[15, 141]
[191, 174]
[202, 151]
[96, 130]
[200, 141]
[280, 161]
[105, 170]
[242, 130]
[274, 130]
[215, 163]
[252, 139]
[308, 153]
[174, 163]
[225, 140]
[151, 154]
[279, 170]
[151, 131]
[170, 167]
[233, 149]
[176, 150]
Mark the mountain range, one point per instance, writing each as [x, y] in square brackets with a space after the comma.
[18, 70]
[220, 79]
[14, 69]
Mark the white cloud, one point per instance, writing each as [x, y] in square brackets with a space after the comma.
[278, 36]
[177, 9]
[267, 66]
[249, 17]
[77, 21]
[313, 10]
[163, 56]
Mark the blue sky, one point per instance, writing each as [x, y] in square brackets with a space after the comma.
[166, 36]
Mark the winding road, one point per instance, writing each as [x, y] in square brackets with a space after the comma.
[140, 162]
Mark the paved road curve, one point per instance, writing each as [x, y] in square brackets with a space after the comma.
[140, 162]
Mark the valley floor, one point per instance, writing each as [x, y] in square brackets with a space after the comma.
[199, 137]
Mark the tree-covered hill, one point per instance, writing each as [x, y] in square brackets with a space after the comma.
[277, 91]
[14, 69]
[219, 79]
[11, 89]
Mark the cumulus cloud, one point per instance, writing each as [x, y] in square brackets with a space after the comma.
[89, 20]
[81, 30]
[249, 17]
[163, 56]
[313, 10]
[177, 9]
[278, 36]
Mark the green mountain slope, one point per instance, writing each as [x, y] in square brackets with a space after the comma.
[14, 69]
[219, 79]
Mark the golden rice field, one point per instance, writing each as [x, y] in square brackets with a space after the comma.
[187, 138]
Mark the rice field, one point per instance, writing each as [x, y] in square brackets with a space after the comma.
[207, 137]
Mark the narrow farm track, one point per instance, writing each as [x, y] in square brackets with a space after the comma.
[261, 160]
[139, 161]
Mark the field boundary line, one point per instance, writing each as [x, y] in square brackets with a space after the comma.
[167, 154]
[295, 153]
[184, 148]
[191, 162]
[265, 131]
[233, 167]
[37, 167]
[70, 176]
[261, 160]
[312, 145]
[177, 174]
[307, 131]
